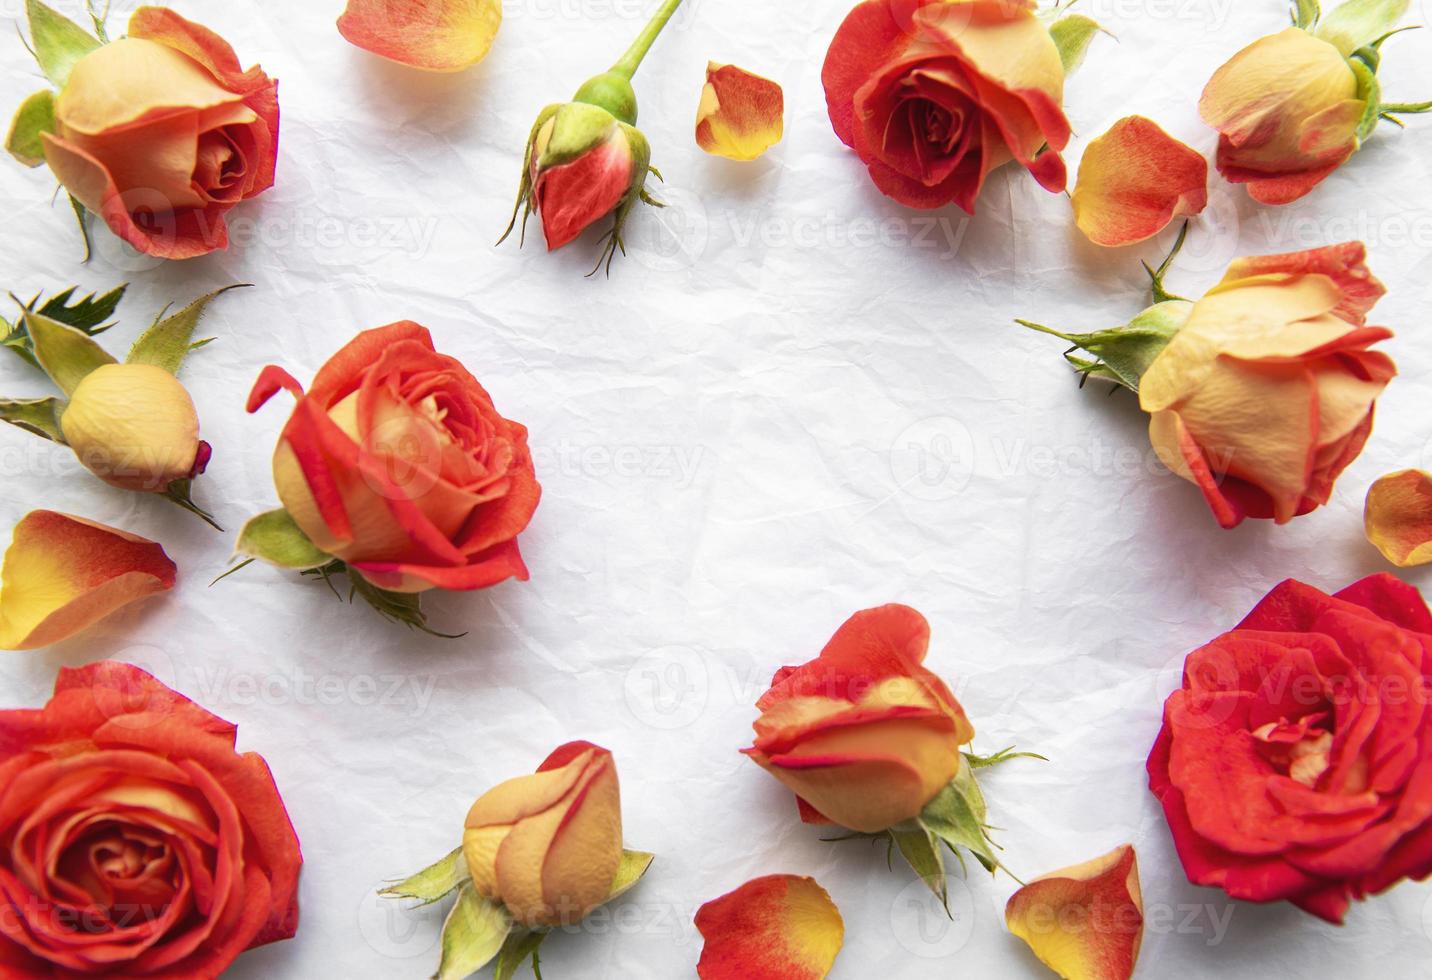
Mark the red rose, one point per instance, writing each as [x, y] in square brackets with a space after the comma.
[134, 840]
[935, 94]
[1296, 762]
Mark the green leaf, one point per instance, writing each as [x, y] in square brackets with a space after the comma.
[1369, 89]
[474, 933]
[1072, 36]
[957, 817]
[170, 339]
[1306, 13]
[433, 882]
[275, 538]
[88, 314]
[922, 850]
[65, 353]
[35, 116]
[1355, 23]
[58, 41]
[38, 415]
[634, 866]
[519, 947]
[1126, 352]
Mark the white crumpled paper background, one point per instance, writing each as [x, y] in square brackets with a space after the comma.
[794, 399]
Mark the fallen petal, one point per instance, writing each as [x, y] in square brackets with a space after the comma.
[62, 574]
[741, 115]
[1084, 922]
[781, 927]
[435, 35]
[1134, 181]
[1398, 517]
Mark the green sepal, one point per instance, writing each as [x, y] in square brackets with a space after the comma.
[87, 315]
[520, 947]
[473, 934]
[67, 354]
[436, 881]
[524, 189]
[1306, 14]
[636, 191]
[396, 607]
[634, 866]
[1072, 35]
[1369, 90]
[1124, 353]
[35, 116]
[38, 415]
[169, 339]
[957, 816]
[181, 492]
[1355, 23]
[82, 218]
[58, 42]
[275, 538]
[921, 849]
[1002, 756]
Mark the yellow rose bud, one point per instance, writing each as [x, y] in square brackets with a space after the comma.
[134, 426]
[547, 846]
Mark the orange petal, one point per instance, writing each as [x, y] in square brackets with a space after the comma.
[1085, 922]
[1134, 181]
[1398, 517]
[435, 35]
[63, 574]
[741, 115]
[780, 927]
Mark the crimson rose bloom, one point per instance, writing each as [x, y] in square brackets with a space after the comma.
[134, 840]
[1296, 762]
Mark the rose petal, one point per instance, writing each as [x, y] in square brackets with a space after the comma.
[1084, 922]
[63, 574]
[1398, 517]
[781, 927]
[741, 114]
[434, 35]
[1134, 181]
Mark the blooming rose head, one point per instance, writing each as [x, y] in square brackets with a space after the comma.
[134, 840]
[1266, 392]
[547, 846]
[397, 462]
[935, 94]
[1295, 763]
[864, 735]
[134, 426]
[1287, 111]
[160, 133]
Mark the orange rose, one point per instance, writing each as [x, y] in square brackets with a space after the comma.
[864, 735]
[160, 133]
[547, 846]
[935, 94]
[1266, 393]
[397, 463]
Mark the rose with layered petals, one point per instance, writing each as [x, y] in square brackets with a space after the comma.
[934, 95]
[161, 133]
[397, 462]
[1295, 763]
[1266, 394]
[547, 846]
[864, 735]
[134, 840]
[1287, 111]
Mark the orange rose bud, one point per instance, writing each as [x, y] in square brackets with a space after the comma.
[1084, 922]
[780, 927]
[134, 426]
[741, 115]
[1134, 181]
[434, 35]
[161, 133]
[63, 574]
[548, 846]
[1398, 517]
[1266, 393]
[864, 735]
[1288, 112]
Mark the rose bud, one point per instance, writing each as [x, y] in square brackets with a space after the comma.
[547, 846]
[1293, 762]
[160, 133]
[1262, 392]
[134, 427]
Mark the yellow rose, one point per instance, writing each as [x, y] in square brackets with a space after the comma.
[134, 426]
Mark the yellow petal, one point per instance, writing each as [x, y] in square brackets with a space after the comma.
[741, 114]
[1084, 922]
[780, 927]
[62, 574]
[133, 79]
[435, 35]
[1398, 517]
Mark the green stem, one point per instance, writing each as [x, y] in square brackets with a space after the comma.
[1411, 108]
[631, 61]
